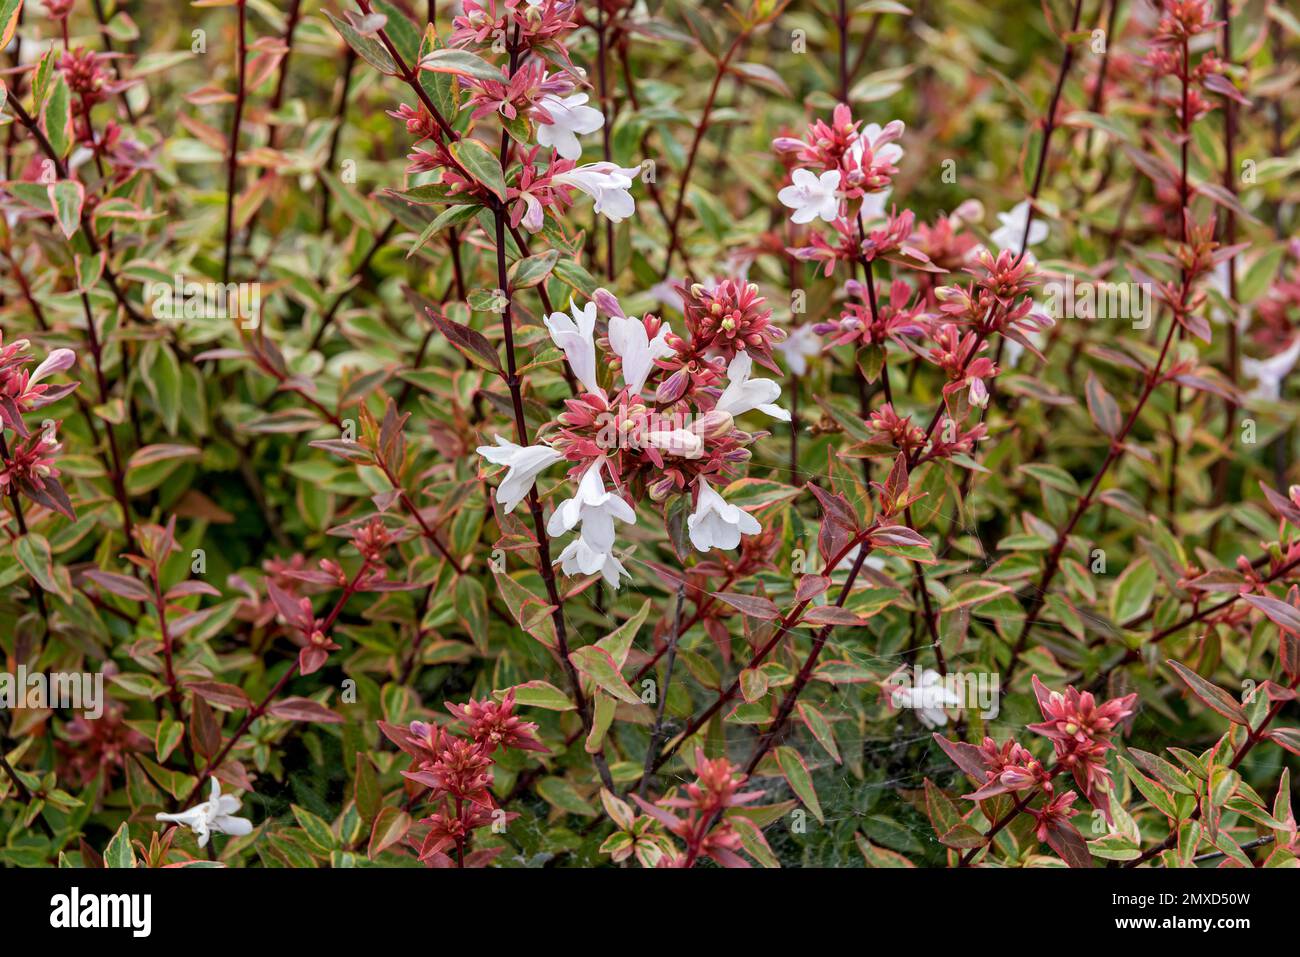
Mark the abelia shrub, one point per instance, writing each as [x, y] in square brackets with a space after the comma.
[638, 433]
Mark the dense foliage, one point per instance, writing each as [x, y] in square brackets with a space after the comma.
[649, 432]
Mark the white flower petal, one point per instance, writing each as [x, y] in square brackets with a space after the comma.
[524, 464]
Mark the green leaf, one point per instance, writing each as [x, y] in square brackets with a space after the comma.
[821, 729]
[871, 359]
[796, 773]
[366, 790]
[66, 199]
[352, 204]
[472, 607]
[1053, 477]
[451, 216]
[33, 553]
[1158, 797]
[574, 274]
[317, 831]
[56, 116]
[480, 163]
[968, 594]
[1259, 275]
[119, 852]
[559, 793]
[460, 62]
[1114, 847]
[540, 694]
[619, 641]
[368, 48]
[602, 716]
[404, 34]
[1133, 590]
[9, 11]
[597, 665]
[162, 377]
[170, 732]
[529, 272]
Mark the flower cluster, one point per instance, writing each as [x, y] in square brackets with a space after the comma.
[704, 826]
[372, 540]
[457, 771]
[28, 467]
[837, 164]
[671, 444]
[1081, 730]
[543, 112]
[99, 747]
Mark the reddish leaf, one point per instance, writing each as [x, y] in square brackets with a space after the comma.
[1066, 840]
[810, 586]
[898, 536]
[219, 694]
[965, 756]
[472, 344]
[832, 615]
[1102, 407]
[124, 586]
[1282, 505]
[1289, 738]
[752, 605]
[1210, 693]
[391, 825]
[304, 709]
[1280, 613]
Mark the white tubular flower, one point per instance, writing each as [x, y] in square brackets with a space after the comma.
[631, 343]
[928, 698]
[580, 558]
[595, 508]
[715, 524]
[811, 196]
[1008, 235]
[798, 346]
[524, 463]
[576, 337]
[1271, 372]
[570, 118]
[607, 183]
[743, 393]
[213, 816]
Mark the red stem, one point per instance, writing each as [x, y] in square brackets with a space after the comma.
[232, 165]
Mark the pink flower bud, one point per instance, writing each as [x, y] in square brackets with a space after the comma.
[713, 425]
[673, 388]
